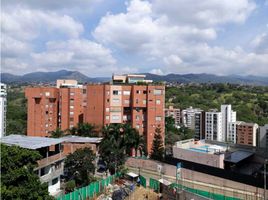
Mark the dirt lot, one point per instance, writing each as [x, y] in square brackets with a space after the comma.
[142, 193]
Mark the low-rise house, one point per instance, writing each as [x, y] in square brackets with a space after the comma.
[51, 166]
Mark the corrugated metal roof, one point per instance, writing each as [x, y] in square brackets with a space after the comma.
[78, 139]
[30, 142]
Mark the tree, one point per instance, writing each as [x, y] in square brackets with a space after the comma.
[112, 146]
[132, 139]
[171, 134]
[157, 152]
[18, 179]
[79, 166]
[57, 133]
[84, 130]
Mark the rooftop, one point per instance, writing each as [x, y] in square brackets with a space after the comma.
[200, 146]
[29, 142]
[78, 139]
[238, 156]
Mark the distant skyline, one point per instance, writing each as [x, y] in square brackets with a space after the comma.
[98, 37]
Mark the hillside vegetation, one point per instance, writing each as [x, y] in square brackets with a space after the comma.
[250, 102]
[16, 111]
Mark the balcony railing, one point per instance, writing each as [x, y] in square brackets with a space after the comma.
[49, 160]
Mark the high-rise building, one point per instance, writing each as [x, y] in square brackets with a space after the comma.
[3, 109]
[263, 139]
[188, 117]
[213, 126]
[175, 113]
[128, 99]
[199, 120]
[247, 133]
[228, 117]
[52, 108]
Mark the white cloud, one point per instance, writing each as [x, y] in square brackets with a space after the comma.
[83, 55]
[204, 13]
[176, 35]
[157, 71]
[27, 24]
[260, 43]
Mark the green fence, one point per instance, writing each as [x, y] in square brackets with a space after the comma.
[91, 190]
[154, 184]
[143, 181]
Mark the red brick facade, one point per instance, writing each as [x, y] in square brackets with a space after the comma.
[49, 108]
[140, 105]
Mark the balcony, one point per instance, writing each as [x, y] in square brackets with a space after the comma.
[49, 160]
[51, 175]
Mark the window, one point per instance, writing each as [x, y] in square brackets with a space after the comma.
[116, 92]
[144, 102]
[126, 92]
[71, 113]
[144, 92]
[157, 92]
[108, 100]
[137, 117]
[158, 118]
[71, 107]
[84, 91]
[71, 93]
[108, 93]
[54, 181]
[137, 126]
[126, 101]
[107, 109]
[138, 92]
[158, 101]
[115, 117]
[47, 94]
[137, 100]
[107, 117]
[115, 100]
[71, 119]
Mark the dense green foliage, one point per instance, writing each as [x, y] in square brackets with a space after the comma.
[173, 134]
[118, 139]
[18, 180]
[158, 150]
[16, 111]
[79, 166]
[84, 130]
[250, 102]
[57, 133]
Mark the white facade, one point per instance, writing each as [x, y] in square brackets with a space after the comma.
[263, 141]
[188, 117]
[213, 127]
[228, 118]
[3, 109]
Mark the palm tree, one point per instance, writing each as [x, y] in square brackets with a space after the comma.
[57, 133]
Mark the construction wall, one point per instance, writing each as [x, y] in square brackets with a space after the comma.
[201, 181]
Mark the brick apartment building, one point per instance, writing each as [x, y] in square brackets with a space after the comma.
[175, 113]
[126, 101]
[53, 107]
[246, 133]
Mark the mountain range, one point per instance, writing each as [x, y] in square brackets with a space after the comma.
[51, 77]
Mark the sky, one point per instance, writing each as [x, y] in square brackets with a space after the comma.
[101, 37]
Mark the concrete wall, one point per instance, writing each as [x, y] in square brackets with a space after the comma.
[201, 181]
[198, 157]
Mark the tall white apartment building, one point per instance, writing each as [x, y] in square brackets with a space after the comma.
[188, 117]
[3, 108]
[213, 127]
[263, 139]
[228, 119]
